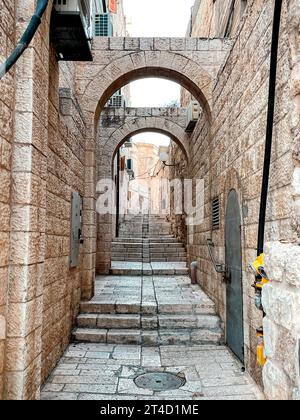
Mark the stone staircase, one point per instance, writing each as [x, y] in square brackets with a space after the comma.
[148, 298]
[147, 242]
[149, 311]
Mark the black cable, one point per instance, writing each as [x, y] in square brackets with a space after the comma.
[270, 127]
[26, 38]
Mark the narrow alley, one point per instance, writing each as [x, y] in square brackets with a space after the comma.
[149, 200]
[147, 317]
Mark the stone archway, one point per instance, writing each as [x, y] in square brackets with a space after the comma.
[115, 127]
[193, 63]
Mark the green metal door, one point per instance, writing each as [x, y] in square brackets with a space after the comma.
[234, 304]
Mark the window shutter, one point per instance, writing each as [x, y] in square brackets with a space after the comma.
[122, 164]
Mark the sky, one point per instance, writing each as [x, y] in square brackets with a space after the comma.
[159, 18]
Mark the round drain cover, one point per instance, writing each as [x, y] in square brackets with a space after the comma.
[159, 381]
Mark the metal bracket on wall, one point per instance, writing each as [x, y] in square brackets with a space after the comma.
[219, 267]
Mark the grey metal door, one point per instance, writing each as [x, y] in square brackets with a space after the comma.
[234, 307]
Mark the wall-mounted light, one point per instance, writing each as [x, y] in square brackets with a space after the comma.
[163, 157]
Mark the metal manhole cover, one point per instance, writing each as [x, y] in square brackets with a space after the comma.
[159, 381]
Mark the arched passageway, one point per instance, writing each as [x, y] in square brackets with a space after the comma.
[193, 63]
[117, 62]
[115, 127]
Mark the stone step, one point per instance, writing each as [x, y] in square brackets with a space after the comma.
[124, 246]
[126, 253]
[148, 337]
[164, 254]
[155, 258]
[169, 239]
[126, 258]
[167, 259]
[109, 321]
[160, 246]
[152, 322]
[126, 272]
[168, 251]
[149, 271]
[147, 308]
[127, 239]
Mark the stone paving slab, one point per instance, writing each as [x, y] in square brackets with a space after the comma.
[86, 373]
[131, 268]
[163, 290]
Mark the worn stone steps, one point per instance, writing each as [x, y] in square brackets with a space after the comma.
[119, 256]
[160, 246]
[167, 251]
[146, 308]
[168, 259]
[127, 253]
[148, 322]
[148, 271]
[150, 301]
[126, 239]
[148, 337]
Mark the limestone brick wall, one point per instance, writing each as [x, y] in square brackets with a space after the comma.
[180, 171]
[217, 18]
[281, 298]
[7, 103]
[229, 155]
[42, 158]
[65, 174]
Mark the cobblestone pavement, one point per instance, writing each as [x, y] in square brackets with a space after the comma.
[169, 305]
[107, 372]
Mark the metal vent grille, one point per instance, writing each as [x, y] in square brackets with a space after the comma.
[103, 25]
[216, 213]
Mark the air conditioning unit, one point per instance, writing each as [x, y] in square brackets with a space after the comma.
[129, 164]
[193, 114]
[103, 25]
[129, 168]
[128, 144]
[116, 101]
[71, 29]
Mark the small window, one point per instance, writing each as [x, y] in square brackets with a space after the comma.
[216, 213]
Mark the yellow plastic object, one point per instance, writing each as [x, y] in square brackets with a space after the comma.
[258, 263]
[261, 284]
[258, 268]
[261, 358]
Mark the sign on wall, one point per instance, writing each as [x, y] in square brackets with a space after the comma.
[113, 6]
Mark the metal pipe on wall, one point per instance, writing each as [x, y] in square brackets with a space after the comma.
[270, 127]
[26, 38]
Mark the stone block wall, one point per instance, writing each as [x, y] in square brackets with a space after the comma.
[27, 201]
[65, 174]
[180, 171]
[281, 298]
[7, 103]
[42, 160]
[229, 155]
